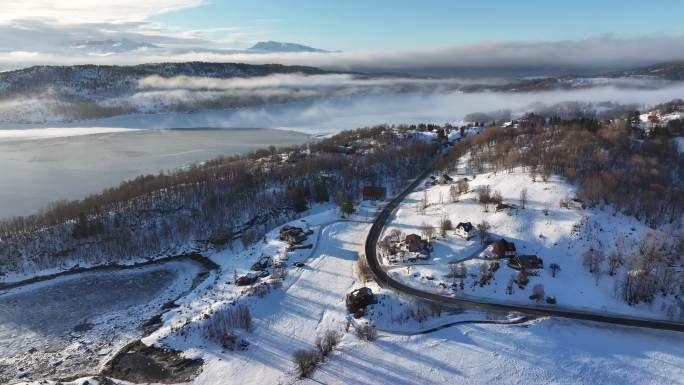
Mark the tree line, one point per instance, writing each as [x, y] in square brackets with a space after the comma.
[211, 204]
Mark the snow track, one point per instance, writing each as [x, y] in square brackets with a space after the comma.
[290, 319]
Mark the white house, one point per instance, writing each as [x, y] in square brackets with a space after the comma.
[465, 230]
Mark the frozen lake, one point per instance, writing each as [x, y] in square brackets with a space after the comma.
[73, 324]
[34, 172]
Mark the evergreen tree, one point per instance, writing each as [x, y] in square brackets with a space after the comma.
[320, 191]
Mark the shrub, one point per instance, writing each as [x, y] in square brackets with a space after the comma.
[537, 292]
[367, 332]
[259, 290]
[365, 272]
[306, 360]
[555, 268]
[327, 342]
[523, 278]
[218, 327]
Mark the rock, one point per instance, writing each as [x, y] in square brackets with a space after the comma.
[298, 264]
[247, 279]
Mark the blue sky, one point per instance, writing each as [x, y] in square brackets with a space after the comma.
[400, 24]
[372, 34]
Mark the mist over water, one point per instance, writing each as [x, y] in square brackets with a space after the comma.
[39, 166]
[333, 114]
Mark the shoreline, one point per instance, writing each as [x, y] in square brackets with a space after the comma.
[206, 262]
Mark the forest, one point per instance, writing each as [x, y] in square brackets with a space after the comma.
[212, 204]
[615, 166]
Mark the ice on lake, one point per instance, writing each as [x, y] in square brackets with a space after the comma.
[72, 324]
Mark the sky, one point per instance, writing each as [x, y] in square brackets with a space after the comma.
[399, 24]
[372, 35]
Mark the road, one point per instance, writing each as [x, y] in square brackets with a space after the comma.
[385, 280]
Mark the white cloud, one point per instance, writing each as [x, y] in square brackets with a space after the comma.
[204, 45]
[89, 11]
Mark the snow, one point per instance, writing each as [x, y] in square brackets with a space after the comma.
[311, 300]
[544, 352]
[57, 132]
[552, 237]
[109, 307]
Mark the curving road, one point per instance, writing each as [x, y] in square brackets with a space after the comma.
[385, 280]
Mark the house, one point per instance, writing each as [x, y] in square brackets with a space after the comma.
[292, 234]
[464, 230]
[374, 193]
[503, 249]
[526, 262]
[445, 179]
[414, 243]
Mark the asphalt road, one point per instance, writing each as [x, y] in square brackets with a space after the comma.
[384, 280]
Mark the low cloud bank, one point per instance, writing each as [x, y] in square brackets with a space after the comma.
[333, 114]
[503, 57]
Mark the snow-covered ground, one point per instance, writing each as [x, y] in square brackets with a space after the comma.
[547, 351]
[311, 300]
[557, 235]
[73, 324]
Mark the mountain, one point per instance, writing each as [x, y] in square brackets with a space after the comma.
[42, 94]
[668, 71]
[275, 46]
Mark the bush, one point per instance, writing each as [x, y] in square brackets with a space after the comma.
[537, 292]
[218, 327]
[523, 278]
[306, 360]
[367, 332]
[327, 342]
[365, 272]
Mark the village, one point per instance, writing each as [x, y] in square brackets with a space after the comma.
[505, 238]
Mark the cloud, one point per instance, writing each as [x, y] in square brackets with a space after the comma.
[517, 58]
[88, 11]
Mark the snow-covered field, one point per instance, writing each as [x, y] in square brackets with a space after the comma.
[547, 351]
[73, 324]
[557, 235]
[311, 301]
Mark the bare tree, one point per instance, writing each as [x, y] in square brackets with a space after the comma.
[523, 198]
[614, 262]
[483, 227]
[428, 231]
[445, 225]
[555, 268]
[463, 186]
[453, 194]
[593, 258]
[485, 197]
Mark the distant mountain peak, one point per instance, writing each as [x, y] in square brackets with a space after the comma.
[276, 46]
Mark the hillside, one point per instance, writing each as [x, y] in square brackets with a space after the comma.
[670, 71]
[64, 93]
[276, 46]
[560, 235]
